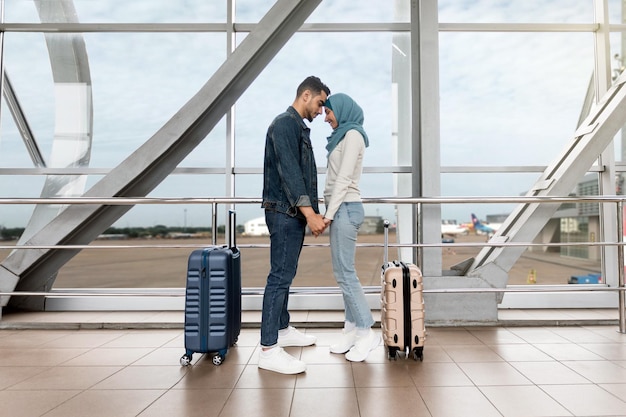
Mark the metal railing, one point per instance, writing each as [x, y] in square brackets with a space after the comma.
[418, 202]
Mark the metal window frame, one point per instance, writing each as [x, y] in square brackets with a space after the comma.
[599, 29]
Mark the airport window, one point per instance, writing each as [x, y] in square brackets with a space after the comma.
[126, 11]
[511, 89]
[333, 11]
[496, 108]
[570, 11]
[371, 88]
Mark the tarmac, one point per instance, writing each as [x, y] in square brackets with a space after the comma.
[162, 263]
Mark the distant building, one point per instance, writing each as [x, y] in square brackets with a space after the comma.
[179, 235]
[496, 218]
[371, 225]
[256, 227]
[113, 236]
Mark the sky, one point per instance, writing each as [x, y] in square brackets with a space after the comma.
[506, 98]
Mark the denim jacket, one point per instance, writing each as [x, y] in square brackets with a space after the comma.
[289, 170]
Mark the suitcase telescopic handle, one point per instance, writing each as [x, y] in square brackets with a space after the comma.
[232, 226]
[386, 246]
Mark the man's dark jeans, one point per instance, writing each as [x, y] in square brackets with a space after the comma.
[286, 239]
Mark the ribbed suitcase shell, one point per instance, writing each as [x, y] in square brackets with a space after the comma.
[213, 300]
[402, 317]
[402, 309]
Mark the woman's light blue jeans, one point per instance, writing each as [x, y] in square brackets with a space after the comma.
[343, 234]
[286, 239]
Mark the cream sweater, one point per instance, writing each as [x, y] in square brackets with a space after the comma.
[343, 174]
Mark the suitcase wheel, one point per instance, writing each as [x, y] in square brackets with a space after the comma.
[418, 353]
[185, 360]
[218, 359]
[392, 353]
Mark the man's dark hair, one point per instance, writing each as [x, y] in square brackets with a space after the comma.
[313, 84]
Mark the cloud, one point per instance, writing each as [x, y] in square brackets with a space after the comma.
[504, 96]
[511, 11]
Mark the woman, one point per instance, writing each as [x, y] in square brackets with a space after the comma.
[344, 212]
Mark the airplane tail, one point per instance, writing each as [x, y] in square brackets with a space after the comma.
[482, 228]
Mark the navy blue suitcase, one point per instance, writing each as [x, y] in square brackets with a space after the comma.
[213, 301]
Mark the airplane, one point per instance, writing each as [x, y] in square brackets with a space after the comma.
[484, 229]
[451, 229]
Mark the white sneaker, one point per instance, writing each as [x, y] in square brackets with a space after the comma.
[345, 343]
[363, 346]
[277, 360]
[295, 338]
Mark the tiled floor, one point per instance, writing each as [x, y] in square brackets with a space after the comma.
[476, 371]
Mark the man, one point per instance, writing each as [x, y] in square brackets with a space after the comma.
[291, 204]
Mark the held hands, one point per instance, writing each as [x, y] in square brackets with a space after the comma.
[317, 223]
[327, 223]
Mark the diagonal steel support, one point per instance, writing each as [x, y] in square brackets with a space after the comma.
[591, 138]
[21, 122]
[142, 171]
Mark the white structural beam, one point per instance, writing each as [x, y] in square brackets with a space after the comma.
[73, 128]
[591, 138]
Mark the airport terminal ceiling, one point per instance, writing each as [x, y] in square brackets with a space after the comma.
[460, 99]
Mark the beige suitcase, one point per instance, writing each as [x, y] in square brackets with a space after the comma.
[402, 307]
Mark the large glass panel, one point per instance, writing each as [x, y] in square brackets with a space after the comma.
[27, 65]
[135, 90]
[509, 11]
[18, 186]
[573, 224]
[251, 11]
[20, 11]
[511, 99]
[162, 236]
[338, 60]
[126, 11]
[329, 11]
[539, 265]
[13, 149]
[211, 152]
[469, 184]
[314, 267]
[507, 99]
[175, 214]
[482, 185]
[335, 11]
[249, 186]
[616, 11]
